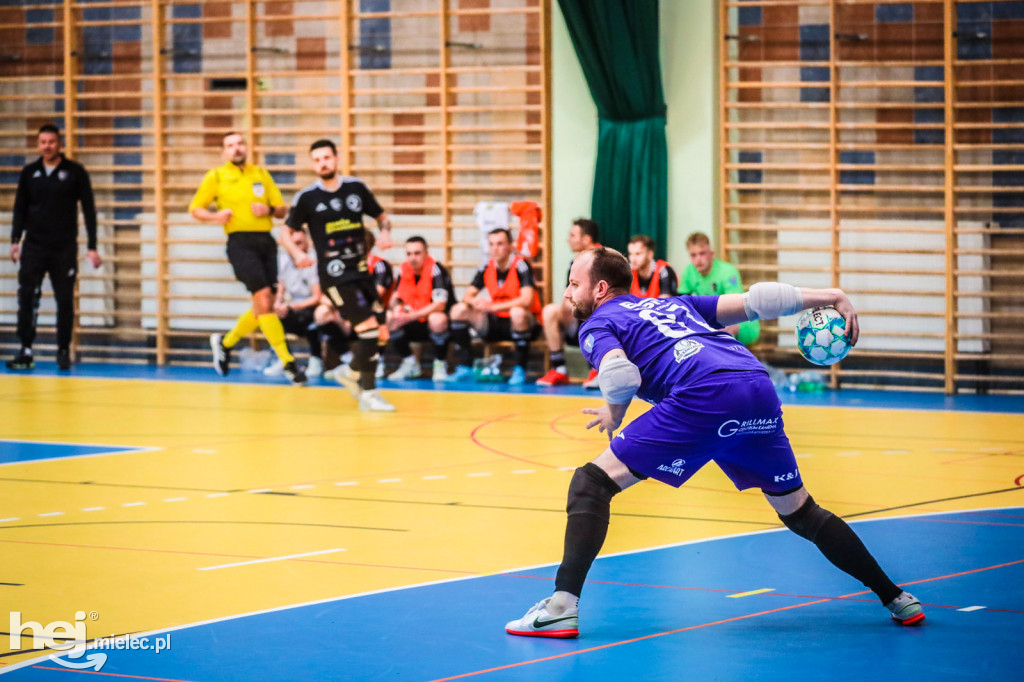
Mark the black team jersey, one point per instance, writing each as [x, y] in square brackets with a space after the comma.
[335, 223]
[46, 206]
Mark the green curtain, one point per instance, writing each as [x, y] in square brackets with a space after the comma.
[616, 42]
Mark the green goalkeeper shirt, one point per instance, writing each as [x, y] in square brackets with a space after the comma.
[723, 278]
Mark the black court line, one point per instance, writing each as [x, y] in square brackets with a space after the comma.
[227, 523]
[941, 499]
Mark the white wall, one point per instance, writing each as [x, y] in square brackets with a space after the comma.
[689, 62]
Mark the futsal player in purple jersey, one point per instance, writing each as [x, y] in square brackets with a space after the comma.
[712, 401]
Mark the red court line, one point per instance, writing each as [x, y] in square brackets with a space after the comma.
[472, 437]
[553, 425]
[95, 672]
[628, 641]
[717, 622]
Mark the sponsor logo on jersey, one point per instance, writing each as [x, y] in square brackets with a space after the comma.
[747, 427]
[339, 225]
[321, 207]
[588, 343]
[37, 174]
[353, 202]
[335, 268]
[257, 189]
[686, 348]
[62, 175]
[336, 204]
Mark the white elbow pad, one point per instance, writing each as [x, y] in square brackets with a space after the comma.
[772, 300]
[619, 380]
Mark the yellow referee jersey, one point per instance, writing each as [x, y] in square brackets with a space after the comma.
[237, 189]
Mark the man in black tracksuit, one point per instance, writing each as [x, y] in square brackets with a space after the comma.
[46, 212]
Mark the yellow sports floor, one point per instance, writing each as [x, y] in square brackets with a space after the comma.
[238, 498]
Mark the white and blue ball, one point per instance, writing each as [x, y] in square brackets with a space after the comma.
[821, 336]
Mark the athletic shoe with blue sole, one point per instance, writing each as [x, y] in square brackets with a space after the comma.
[539, 623]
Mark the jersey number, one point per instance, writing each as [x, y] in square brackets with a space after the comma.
[671, 327]
[335, 296]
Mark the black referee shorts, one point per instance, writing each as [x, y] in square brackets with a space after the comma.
[253, 256]
[356, 300]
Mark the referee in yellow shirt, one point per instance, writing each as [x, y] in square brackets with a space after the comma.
[246, 201]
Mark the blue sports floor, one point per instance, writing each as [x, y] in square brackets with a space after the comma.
[753, 602]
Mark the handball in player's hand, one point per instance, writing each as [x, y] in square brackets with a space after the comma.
[822, 337]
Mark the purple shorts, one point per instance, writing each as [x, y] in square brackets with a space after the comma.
[733, 418]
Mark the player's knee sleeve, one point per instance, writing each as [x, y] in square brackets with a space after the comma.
[591, 491]
[439, 338]
[808, 520]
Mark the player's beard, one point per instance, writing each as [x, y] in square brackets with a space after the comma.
[582, 311]
[329, 175]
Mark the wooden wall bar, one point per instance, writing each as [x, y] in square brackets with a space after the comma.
[436, 104]
[879, 146]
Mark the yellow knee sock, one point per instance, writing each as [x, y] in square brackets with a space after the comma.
[245, 325]
[271, 327]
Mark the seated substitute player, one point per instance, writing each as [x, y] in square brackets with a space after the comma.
[298, 295]
[707, 275]
[712, 401]
[246, 200]
[651, 278]
[560, 327]
[510, 312]
[419, 311]
[332, 208]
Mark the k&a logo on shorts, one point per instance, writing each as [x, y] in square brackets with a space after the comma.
[787, 477]
[748, 427]
[353, 202]
[676, 468]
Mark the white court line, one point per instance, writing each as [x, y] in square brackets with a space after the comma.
[217, 494]
[802, 455]
[303, 487]
[52, 514]
[175, 499]
[12, 518]
[133, 504]
[264, 561]
[477, 475]
[93, 508]
[343, 483]
[259, 490]
[971, 608]
[896, 452]
[847, 454]
[389, 480]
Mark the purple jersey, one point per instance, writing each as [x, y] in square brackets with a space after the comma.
[674, 341]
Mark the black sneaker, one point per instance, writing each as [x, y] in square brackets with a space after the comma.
[22, 360]
[63, 359]
[295, 373]
[221, 355]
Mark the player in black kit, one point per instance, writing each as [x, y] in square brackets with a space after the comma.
[332, 208]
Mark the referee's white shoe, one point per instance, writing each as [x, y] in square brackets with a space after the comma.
[373, 401]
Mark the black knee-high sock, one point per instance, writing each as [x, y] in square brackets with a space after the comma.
[400, 343]
[522, 346]
[847, 552]
[460, 337]
[841, 545]
[589, 510]
[363, 352]
[440, 341]
[315, 347]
